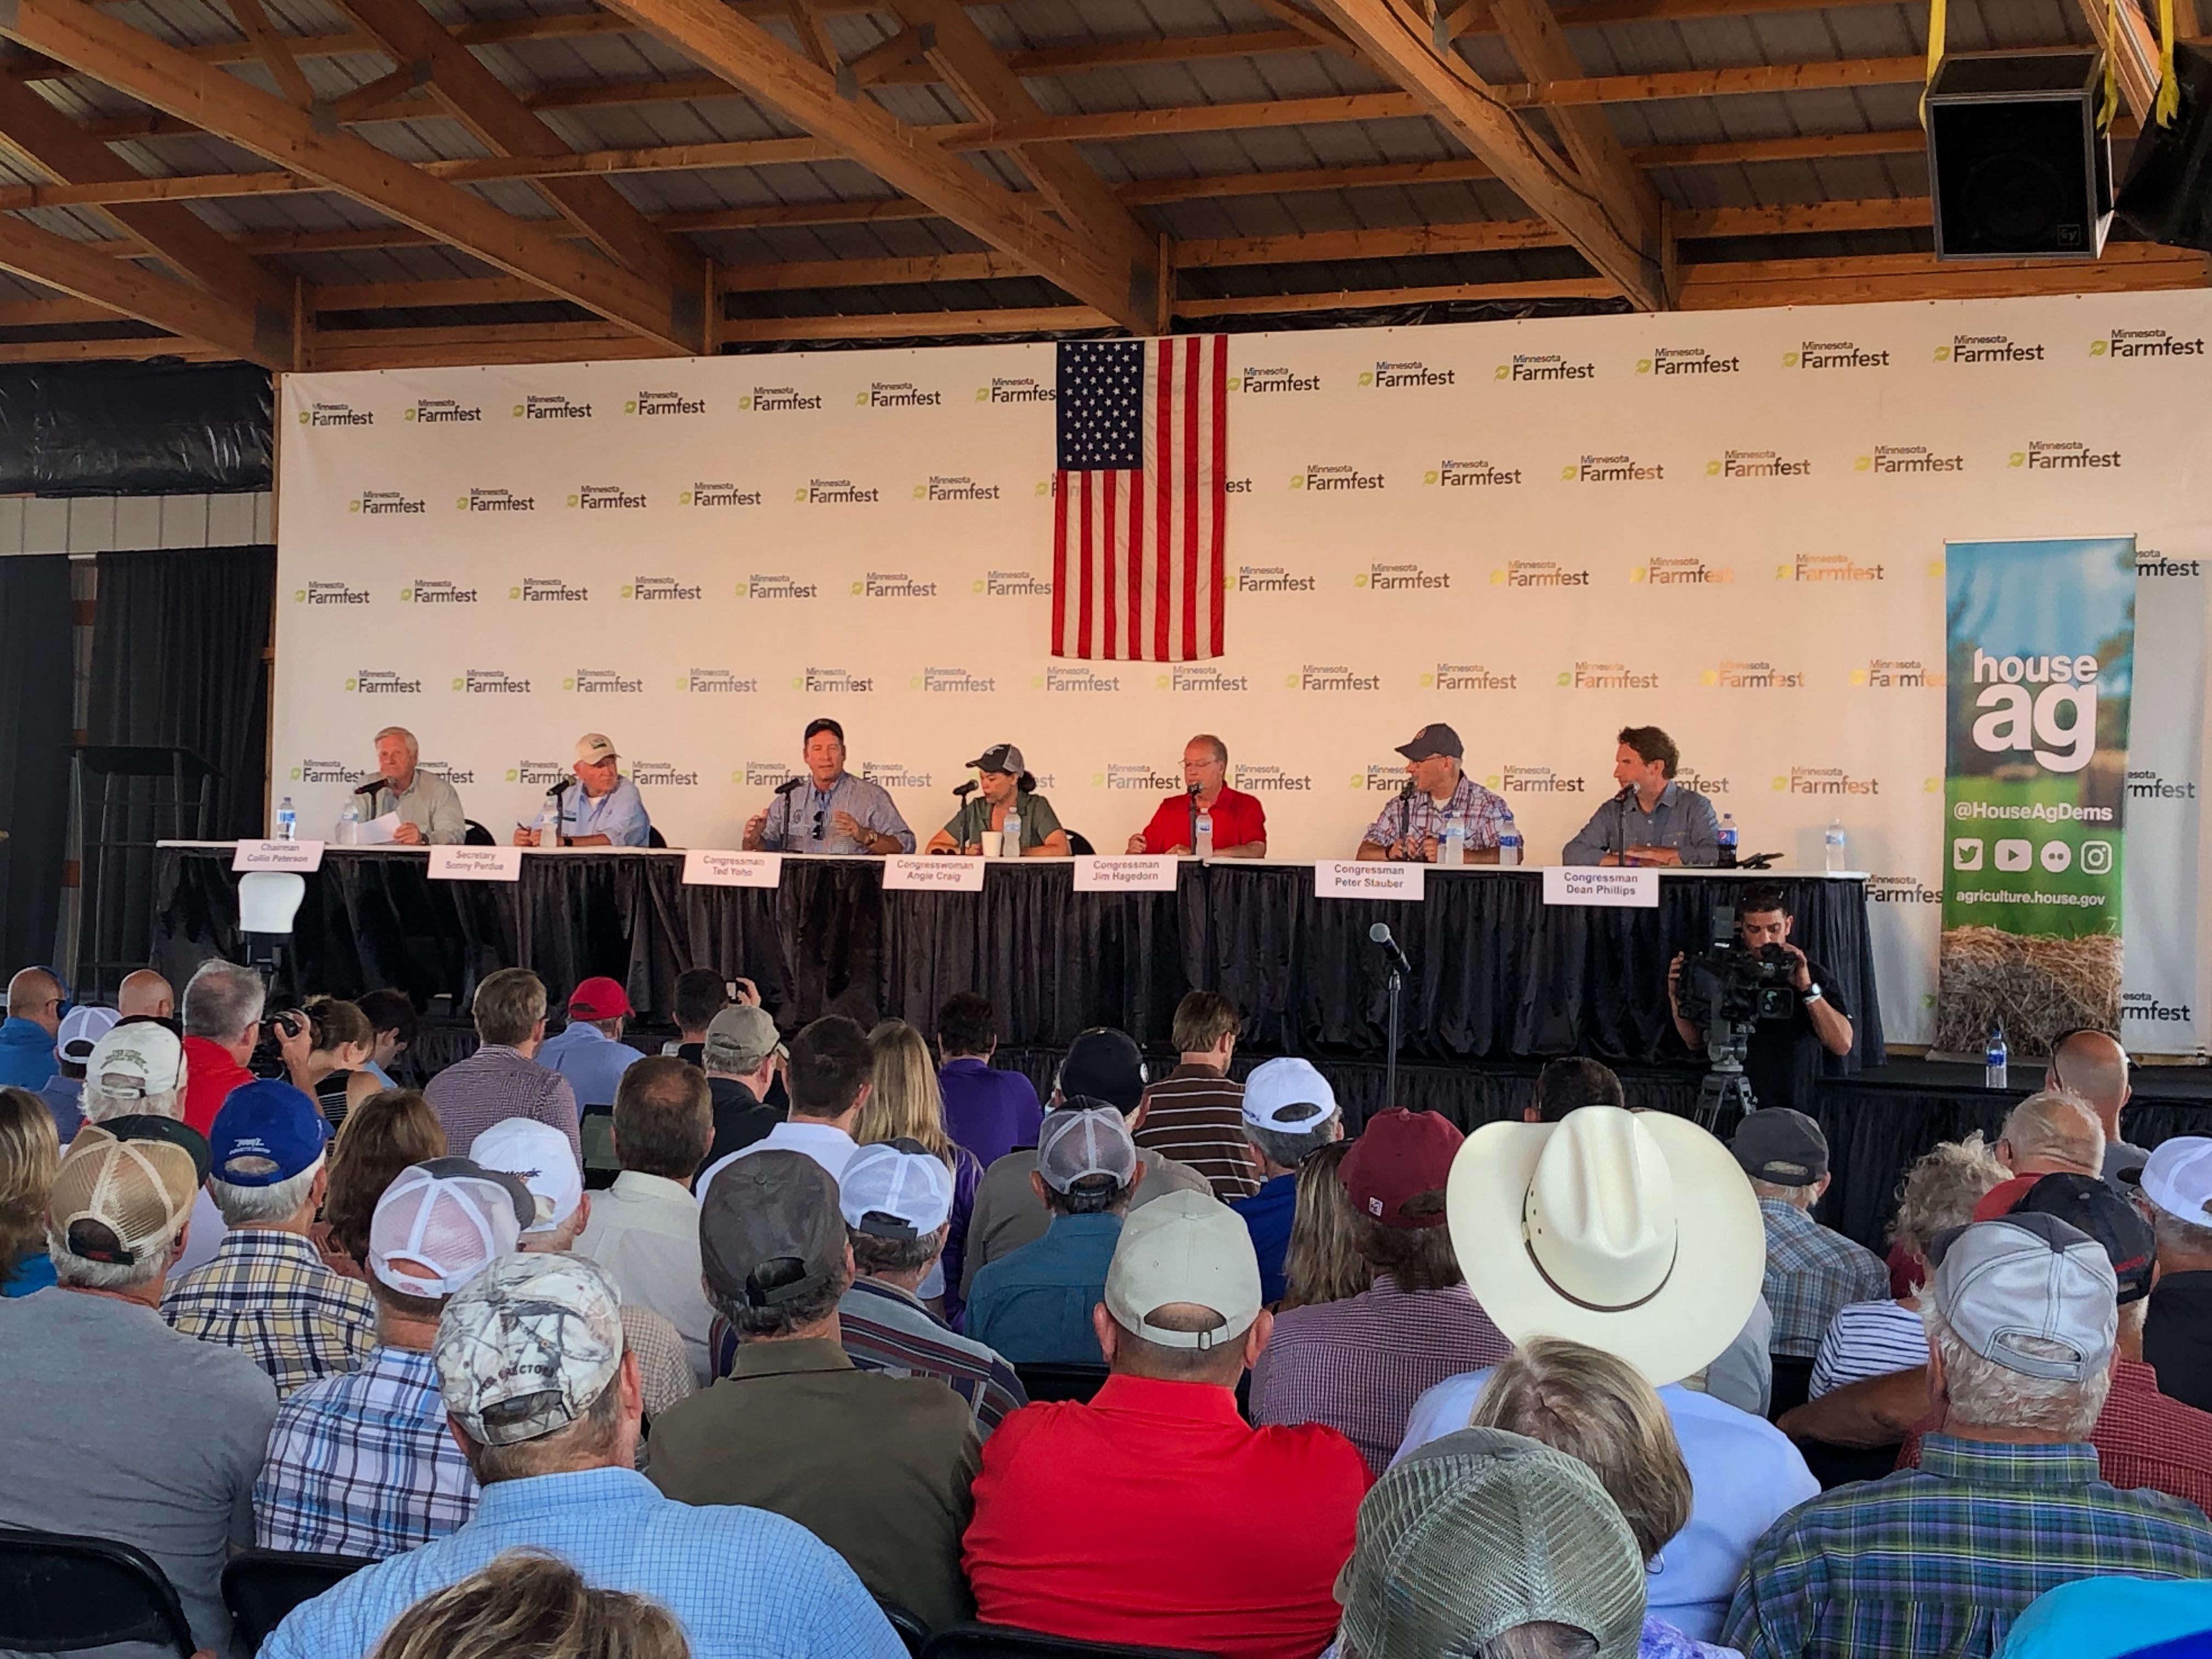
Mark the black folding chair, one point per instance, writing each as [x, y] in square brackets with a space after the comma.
[1793, 1383]
[1834, 1466]
[260, 1586]
[61, 1593]
[1076, 1382]
[1005, 1642]
[911, 1631]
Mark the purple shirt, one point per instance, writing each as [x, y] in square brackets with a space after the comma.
[989, 1112]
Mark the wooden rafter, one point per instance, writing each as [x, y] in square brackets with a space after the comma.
[234, 327]
[274, 50]
[2134, 54]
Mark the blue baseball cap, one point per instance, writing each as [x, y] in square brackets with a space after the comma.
[266, 1132]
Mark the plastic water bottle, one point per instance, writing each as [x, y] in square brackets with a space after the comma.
[1451, 846]
[1012, 842]
[1994, 1062]
[1509, 843]
[1204, 848]
[287, 820]
[349, 824]
[548, 823]
[1833, 845]
[1726, 839]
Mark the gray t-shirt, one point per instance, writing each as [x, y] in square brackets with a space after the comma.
[119, 1428]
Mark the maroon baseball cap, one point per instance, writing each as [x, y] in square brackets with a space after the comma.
[598, 998]
[1399, 1155]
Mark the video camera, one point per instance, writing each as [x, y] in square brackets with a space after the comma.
[1729, 983]
[267, 1059]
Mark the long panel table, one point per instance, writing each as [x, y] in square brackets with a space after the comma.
[1498, 973]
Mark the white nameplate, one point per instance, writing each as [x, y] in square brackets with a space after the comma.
[1357, 878]
[1126, 875]
[277, 856]
[914, 873]
[1622, 890]
[475, 864]
[706, 866]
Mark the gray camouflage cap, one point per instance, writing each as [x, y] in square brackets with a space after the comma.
[527, 1345]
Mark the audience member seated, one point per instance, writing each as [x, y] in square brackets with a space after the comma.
[877, 1467]
[700, 995]
[990, 1112]
[1323, 1263]
[1155, 1514]
[144, 995]
[503, 1079]
[527, 1605]
[385, 1133]
[1568, 1085]
[81, 1031]
[1811, 1270]
[739, 1056]
[1493, 1545]
[896, 1199]
[363, 1464]
[1359, 1365]
[2093, 1067]
[2047, 1134]
[1034, 1306]
[336, 1071]
[2177, 1195]
[2007, 1502]
[2115, 1618]
[392, 1024]
[117, 1427]
[590, 1052]
[831, 1071]
[541, 1400]
[905, 1105]
[1637, 1234]
[266, 1292]
[27, 1038]
[1876, 1339]
[222, 1024]
[644, 1230]
[29, 1155]
[1194, 1114]
[1288, 1113]
[138, 1069]
[1101, 1066]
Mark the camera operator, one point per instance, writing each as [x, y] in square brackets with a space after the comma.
[1783, 1058]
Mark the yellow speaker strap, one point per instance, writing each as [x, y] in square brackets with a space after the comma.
[1934, 52]
[2169, 89]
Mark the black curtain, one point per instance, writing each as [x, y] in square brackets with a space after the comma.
[179, 644]
[35, 676]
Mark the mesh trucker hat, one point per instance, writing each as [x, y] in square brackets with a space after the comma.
[1078, 1142]
[2177, 1178]
[999, 758]
[439, 1223]
[769, 1230]
[80, 1032]
[2028, 1276]
[739, 1039]
[1188, 1248]
[539, 1157]
[1288, 1096]
[126, 1185]
[266, 1133]
[1480, 1532]
[527, 1347]
[896, 1189]
[135, 1059]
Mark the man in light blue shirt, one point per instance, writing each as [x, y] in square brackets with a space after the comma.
[1653, 820]
[531, 1365]
[1034, 1304]
[590, 1052]
[829, 810]
[604, 809]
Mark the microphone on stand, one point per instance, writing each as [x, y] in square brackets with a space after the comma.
[370, 787]
[1380, 932]
[966, 789]
[561, 788]
[1620, 820]
[788, 785]
[960, 792]
[1405, 829]
[1400, 967]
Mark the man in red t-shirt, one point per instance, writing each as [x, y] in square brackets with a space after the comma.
[1240, 822]
[223, 1022]
[1155, 1516]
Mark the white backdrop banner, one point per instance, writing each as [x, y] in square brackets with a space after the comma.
[1729, 525]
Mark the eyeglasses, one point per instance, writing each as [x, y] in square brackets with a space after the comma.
[820, 812]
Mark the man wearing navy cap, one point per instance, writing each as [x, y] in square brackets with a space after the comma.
[267, 1292]
[829, 810]
[1438, 794]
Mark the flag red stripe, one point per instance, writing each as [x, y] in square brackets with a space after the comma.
[1060, 484]
[1164, 486]
[1136, 564]
[1219, 389]
[1109, 613]
[1188, 630]
[1082, 608]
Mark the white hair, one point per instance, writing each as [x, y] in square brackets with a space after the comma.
[97, 1105]
[1802, 1197]
[77, 1271]
[2057, 1126]
[221, 999]
[414, 749]
[1983, 1391]
[2177, 1236]
[258, 1206]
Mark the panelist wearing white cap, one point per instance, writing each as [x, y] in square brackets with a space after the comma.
[600, 807]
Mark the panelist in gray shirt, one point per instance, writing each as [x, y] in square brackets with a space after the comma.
[430, 808]
[829, 810]
[1653, 820]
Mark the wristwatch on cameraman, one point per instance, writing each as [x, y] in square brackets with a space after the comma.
[1810, 995]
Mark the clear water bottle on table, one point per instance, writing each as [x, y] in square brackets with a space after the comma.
[1205, 848]
[1509, 843]
[1995, 1060]
[1451, 846]
[1012, 843]
[1726, 839]
[287, 820]
[1833, 848]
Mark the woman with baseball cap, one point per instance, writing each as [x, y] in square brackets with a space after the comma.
[1007, 792]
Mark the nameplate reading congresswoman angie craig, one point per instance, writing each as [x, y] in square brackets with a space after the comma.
[475, 864]
[708, 867]
[1354, 879]
[1126, 875]
[914, 873]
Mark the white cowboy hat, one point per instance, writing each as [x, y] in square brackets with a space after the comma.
[1634, 1232]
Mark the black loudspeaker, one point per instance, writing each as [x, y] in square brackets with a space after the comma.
[2016, 163]
[2166, 196]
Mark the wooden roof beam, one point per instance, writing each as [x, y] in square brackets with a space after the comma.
[234, 327]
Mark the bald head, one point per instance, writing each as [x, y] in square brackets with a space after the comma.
[36, 996]
[2052, 1134]
[2093, 1065]
[145, 993]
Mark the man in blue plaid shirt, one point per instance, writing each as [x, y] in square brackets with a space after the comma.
[1436, 794]
[1811, 1270]
[1937, 1562]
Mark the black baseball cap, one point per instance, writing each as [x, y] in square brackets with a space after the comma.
[826, 724]
[1432, 740]
[1780, 1146]
[999, 757]
[2090, 1204]
[770, 1229]
[1106, 1067]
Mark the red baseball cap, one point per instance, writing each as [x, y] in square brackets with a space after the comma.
[1399, 1155]
[598, 998]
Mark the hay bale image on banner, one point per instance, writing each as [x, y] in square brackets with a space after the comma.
[2041, 639]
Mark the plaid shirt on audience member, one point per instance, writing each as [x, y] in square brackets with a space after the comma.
[885, 1329]
[268, 1294]
[1811, 1272]
[663, 1369]
[495, 1083]
[1936, 1563]
[363, 1465]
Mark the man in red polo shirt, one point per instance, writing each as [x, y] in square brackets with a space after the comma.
[223, 1022]
[1155, 1514]
[1240, 822]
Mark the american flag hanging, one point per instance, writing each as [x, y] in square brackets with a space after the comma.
[1139, 499]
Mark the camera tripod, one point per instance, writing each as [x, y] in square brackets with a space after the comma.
[1725, 1085]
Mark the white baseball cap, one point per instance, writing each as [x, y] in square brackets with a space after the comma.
[895, 1189]
[449, 1217]
[1288, 1096]
[2177, 1178]
[81, 1031]
[1185, 1246]
[142, 1058]
[539, 1157]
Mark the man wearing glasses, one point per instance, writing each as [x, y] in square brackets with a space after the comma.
[829, 810]
[34, 1018]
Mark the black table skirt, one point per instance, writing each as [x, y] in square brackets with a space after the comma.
[1498, 974]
